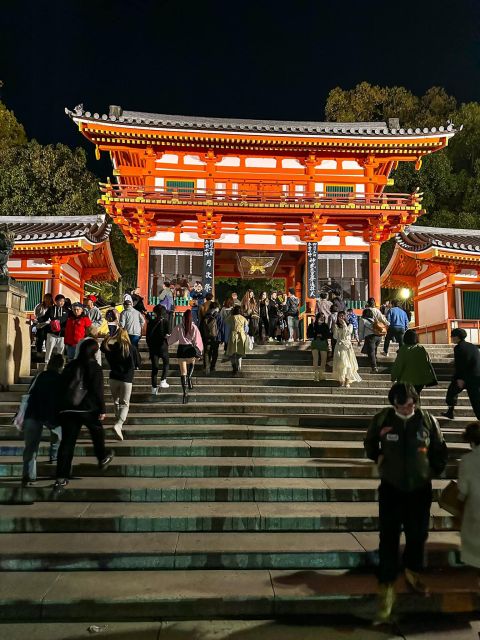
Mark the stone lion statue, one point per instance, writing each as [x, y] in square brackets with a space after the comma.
[7, 241]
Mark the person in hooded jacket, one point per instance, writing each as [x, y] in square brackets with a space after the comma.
[82, 402]
[76, 328]
[211, 337]
[157, 333]
[123, 359]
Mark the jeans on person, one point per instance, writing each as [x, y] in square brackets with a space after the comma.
[272, 327]
[121, 392]
[410, 509]
[32, 434]
[393, 332]
[134, 339]
[292, 323]
[155, 360]
[71, 423]
[70, 349]
[370, 348]
[55, 344]
[210, 354]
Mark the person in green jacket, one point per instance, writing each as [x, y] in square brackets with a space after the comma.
[412, 364]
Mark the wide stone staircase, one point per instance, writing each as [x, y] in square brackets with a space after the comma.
[253, 500]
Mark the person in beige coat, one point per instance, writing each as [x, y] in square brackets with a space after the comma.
[237, 341]
[469, 490]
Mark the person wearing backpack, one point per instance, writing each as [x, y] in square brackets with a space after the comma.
[112, 317]
[123, 359]
[408, 447]
[211, 337]
[82, 402]
[292, 307]
[157, 332]
[42, 410]
[55, 320]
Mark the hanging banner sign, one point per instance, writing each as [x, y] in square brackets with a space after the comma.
[208, 265]
[312, 269]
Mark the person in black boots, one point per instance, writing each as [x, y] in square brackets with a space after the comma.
[157, 332]
[211, 337]
[263, 326]
[81, 403]
[466, 375]
[190, 347]
[407, 445]
[273, 316]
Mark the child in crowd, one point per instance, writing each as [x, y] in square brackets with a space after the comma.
[352, 319]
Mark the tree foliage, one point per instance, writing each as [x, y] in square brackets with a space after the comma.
[12, 133]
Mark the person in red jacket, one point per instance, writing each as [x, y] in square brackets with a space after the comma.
[76, 328]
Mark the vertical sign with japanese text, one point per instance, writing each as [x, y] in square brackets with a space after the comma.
[208, 265]
[312, 269]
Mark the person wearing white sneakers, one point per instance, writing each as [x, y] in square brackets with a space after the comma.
[122, 357]
[157, 332]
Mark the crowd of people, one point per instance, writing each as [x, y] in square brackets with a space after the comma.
[404, 440]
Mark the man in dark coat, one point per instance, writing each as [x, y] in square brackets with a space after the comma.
[466, 375]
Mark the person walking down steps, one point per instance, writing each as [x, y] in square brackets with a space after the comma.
[345, 365]
[123, 360]
[320, 336]
[82, 402]
[190, 347]
[157, 332]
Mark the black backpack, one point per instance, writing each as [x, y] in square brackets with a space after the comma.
[110, 316]
[76, 392]
[210, 327]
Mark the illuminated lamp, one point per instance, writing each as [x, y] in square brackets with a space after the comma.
[405, 293]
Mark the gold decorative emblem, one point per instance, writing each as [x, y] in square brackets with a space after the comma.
[258, 264]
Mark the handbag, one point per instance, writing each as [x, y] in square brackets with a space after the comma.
[450, 501]
[55, 326]
[379, 328]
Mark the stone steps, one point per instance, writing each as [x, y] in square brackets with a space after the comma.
[254, 500]
[216, 550]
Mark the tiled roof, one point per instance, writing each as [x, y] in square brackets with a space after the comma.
[162, 121]
[95, 229]
[418, 239]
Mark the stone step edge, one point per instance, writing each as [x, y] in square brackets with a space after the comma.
[199, 594]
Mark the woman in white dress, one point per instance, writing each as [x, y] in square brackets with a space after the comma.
[345, 365]
[469, 490]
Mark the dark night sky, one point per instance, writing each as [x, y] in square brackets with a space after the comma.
[266, 59]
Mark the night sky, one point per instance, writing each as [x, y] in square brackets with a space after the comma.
[265, 59]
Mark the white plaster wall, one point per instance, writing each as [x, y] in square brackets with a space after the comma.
[229, 238]
[291, 240]
[167, 236]
[159, 182]
[319, 187]
[433, 310]
[266, 163]
[201, 183]
[193, 160]
[355, 241]
[259, 239]
[228, 161]
[329, 241]
[327, 164]
[350, 164]
[292, 163]
[436, 278]
[190, 237]
[70, 271]
[68, 292]
[14, 264]
[170, 158]
[359, 188]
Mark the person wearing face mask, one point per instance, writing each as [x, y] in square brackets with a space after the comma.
[408, 446]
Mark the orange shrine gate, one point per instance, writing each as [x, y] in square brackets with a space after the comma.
[261, 191]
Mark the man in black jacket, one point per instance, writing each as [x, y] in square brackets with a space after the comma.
[409, 449]
[466, 375]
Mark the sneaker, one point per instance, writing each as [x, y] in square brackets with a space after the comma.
[26, 481]
[448, 414]
[386, 602]
[117, 430]
[155, 390]
[106, 461]
[271, 340]
[374, 370]
[164, 384]
[290, 340]
[415, 582]
[61, 483]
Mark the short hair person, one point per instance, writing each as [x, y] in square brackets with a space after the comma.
[467, 373]
[408, 447]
